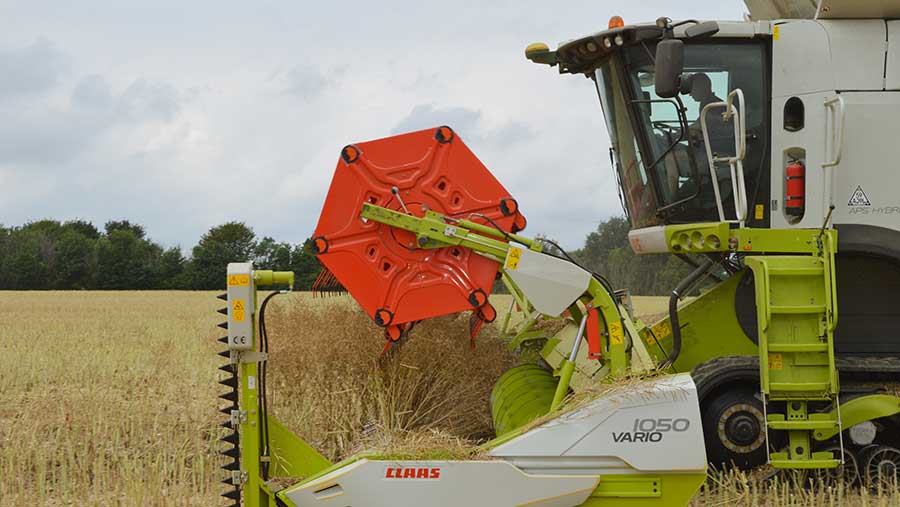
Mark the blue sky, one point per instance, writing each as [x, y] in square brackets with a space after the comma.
[184, 115]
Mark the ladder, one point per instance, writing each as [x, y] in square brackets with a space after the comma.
[796, 314]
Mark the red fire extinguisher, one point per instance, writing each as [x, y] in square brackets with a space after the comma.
[794, 188]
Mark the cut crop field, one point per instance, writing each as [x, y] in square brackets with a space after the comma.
[109, 398]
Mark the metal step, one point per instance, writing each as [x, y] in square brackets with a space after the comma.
[797, 271]
[796, 360]
[797, 309]
[823, 387]
[818, 460]
[815, 422]
[798, 347]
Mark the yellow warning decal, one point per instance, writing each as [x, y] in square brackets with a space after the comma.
[775, 33]
[512, 259]
[238, 310]
[775, 362]
[238, 280]
[759, 211]
[616, 336]
[661, 330]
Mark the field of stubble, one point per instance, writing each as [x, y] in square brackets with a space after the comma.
[109, 398]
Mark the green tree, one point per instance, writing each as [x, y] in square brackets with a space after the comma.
[82, 227]
[47, 228]
[32, 260]
[24, 267]
[173, 274]
[5, 247]
[272, 255]
[74, 260]
[126, 261]
[610, 235]
[125, 225]
[607, 251]
[305, 265]
[230, 242]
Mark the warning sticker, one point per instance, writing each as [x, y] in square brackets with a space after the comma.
[238, 280]
[513, 257]
[775, 362]
[238, 310]
[759, 212]
[859, 198]
[662, 329]
[616, 336]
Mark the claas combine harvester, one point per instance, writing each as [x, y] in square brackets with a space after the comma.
[760, 151]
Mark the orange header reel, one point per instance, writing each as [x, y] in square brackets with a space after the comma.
[394, 280]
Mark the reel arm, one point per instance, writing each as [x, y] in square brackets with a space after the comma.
[602, 324]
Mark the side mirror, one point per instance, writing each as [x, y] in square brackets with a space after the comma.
[701, 30]
[669, 66]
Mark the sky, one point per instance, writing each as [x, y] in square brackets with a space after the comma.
[184, 115]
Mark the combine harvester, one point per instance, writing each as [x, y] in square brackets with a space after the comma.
[762, 148]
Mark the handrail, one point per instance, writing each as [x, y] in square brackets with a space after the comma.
[837, 131]
[735, 163]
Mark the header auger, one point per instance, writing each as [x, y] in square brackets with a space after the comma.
[735, 146]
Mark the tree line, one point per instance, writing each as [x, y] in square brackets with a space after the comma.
[49, 254]
[608, 252]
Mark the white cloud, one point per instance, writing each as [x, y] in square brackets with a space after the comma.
[180, 115]
[33, 69]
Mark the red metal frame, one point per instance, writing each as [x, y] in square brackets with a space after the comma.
[393, 280]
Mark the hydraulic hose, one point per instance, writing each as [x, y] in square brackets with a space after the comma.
[682, 287]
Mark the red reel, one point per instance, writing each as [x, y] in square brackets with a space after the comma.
[382, 267]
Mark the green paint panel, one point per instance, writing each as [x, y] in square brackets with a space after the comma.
[697, 238]
[864, 408]
[720, 237]
[709, 329]
[291, 456]
[663, 490]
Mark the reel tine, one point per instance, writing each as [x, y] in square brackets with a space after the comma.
[327, 284]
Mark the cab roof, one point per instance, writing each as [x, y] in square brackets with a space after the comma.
[581, 55]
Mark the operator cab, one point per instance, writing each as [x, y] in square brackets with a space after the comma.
[820, 101]
[658, 148]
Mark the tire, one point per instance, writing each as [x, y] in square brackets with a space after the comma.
[734, 427]
[521, 395]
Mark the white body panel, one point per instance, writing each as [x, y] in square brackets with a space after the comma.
[857, 53]
[812, 140]
[801, 62]
[648, 240]
[549, 283]
[858, 9]
[584, 441]
[557, 464]
[892, 72]
[781, 9]
[871, 161]
[240, 305]
[368, 483]
[823, 9]
[857, 61]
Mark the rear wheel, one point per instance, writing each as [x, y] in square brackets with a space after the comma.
[847, 473]
[882, 467]
[734, 428]
[521, 395]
